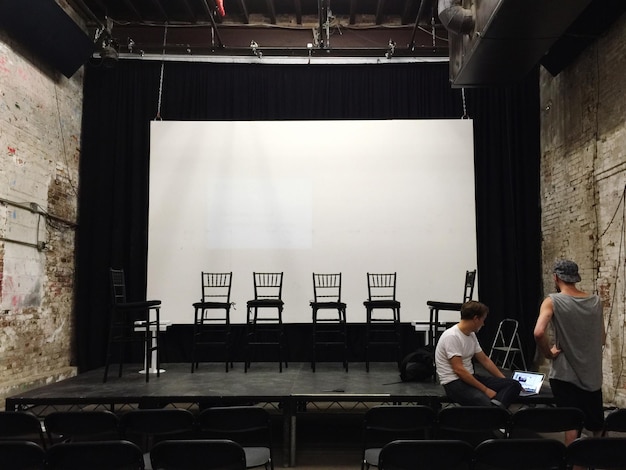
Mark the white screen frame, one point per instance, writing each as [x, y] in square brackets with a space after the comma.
[311, 196]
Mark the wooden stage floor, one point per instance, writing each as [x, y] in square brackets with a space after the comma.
[295, 391]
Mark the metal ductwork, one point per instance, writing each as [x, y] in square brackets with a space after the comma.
[454, 17]
[509, 38]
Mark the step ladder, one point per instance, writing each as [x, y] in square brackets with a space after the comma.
[507, 347]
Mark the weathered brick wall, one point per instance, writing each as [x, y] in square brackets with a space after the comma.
[583, 178]
[40, 117]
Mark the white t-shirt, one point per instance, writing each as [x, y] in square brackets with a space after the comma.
[453, 342]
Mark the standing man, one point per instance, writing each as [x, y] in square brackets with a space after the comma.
[456, 349]
[576, 354]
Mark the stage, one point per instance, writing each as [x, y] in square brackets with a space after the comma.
[295, 391]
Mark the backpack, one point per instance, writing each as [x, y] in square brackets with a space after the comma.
[418, 365]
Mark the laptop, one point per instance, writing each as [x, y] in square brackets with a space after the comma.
[531, 382]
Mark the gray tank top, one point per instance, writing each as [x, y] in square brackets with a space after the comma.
[578, 327]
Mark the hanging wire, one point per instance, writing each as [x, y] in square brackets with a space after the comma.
[465, 116]
[158, 114]
[432, 28]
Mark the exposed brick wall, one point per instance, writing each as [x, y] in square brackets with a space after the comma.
[40, 117]
[583, 178]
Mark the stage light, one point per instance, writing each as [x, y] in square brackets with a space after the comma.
[255, 49]
[391, 49]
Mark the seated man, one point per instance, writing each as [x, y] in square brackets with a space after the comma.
[455, 350]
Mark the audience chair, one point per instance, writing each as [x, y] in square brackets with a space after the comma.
[88, 425]
[97, 455]
[383, 424]
[128, 319]
[615, 423]
[211, 324]
[532, 422]
[21, 426]
[22, 455]
[329, 316]
[249, 426]
[382, 315]
[435, 306]
[264, 319]
[597, 452]
[198, 454]
[473, 424]
[426, 455]
[520, 454]
[146, 427]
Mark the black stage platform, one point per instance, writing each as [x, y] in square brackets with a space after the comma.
[294, 391]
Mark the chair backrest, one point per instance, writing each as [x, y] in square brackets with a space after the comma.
[520, 454]
[545, 420]
[247, 425]
[381, 286]
[97, 455]
[385, 423]
[426, 455]
[268, 286]
[198, 454]
[142, 426]
[216, 287]
[21, 425]
[327, 287]
[615, 422]
[118, 286]
[597, 452]
[22, 455]
[473, 424]
[81, 425]
[468, 288]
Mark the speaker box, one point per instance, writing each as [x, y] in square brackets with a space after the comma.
[43, 27]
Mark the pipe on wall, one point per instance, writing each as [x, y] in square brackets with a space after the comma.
[454, 17]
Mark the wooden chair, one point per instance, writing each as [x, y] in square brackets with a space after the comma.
[329, 316]
[128, 319]
[382, 315]
[211, 324]
[264, 319]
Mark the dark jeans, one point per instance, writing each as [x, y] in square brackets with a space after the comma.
[507, 390]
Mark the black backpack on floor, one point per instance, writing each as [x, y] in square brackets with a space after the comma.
[418, 365]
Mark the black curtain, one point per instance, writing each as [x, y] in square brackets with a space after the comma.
[120, 102]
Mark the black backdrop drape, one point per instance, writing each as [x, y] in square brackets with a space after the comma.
[120, 102]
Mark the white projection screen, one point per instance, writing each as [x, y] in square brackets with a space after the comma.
[311, 196]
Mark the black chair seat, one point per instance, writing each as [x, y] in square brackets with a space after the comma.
[328, 305]
[445, 305]
[266, 303]
[211, 305]
[382, 304]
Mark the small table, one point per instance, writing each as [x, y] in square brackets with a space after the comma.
[163, 325]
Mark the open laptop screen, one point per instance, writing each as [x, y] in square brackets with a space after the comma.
[531, 381]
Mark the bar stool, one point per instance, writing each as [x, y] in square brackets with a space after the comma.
[383, 315]
[264, 318]
[329, 315]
